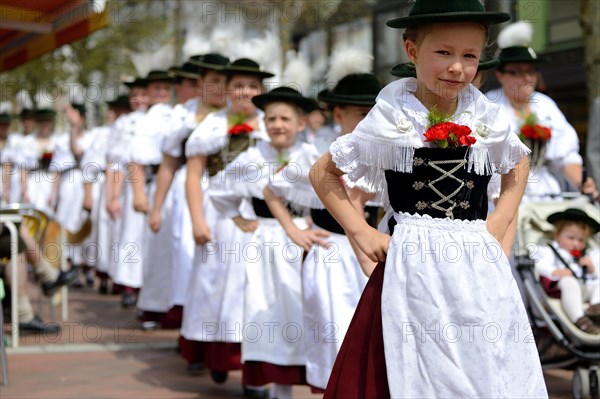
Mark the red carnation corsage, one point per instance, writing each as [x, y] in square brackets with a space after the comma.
[450, 134]
[240, 129]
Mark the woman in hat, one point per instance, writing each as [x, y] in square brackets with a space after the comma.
[438, 316]
[34, 155]
[566, 265]
[94, 164]
[536, 118]
[142, 262]
[117, 158]
[273, 262]
[214, 307]
[209, 81]
[199, 84]
[332, 277]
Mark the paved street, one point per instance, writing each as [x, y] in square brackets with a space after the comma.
[101, 353]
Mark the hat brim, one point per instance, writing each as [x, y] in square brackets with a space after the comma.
[360, 100]
[205, 65]
[510, 60]
[555, 217]
[248, 71]
[416, 20]
[182, 74]
[486, 65]
[403, 71]
[307, 104]
[139, 83]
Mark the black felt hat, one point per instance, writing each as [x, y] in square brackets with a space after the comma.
[26, 113]
[137, 82]
[438, 11]
[187, 71]
[210, 61]
[359, 89]
[158, 76]
[245, 66]
[521, 54]
[404, 70]
[408, 70]
[287, 95]
[5, 118]
[574, 214]
[121, 101]
[45, 114]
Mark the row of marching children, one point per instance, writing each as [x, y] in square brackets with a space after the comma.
[208, 220]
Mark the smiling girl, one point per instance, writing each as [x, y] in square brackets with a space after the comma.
[423, 327]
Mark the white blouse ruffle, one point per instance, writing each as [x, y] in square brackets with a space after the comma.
[183, 122]
[563, 146]
[388, 136]
[211, 134]
[146, 143]
[252, 171]
[293, 182]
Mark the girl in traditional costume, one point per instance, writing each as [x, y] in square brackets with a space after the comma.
[441, 315]
[214, 306]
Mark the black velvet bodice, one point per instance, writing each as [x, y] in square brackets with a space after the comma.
[261, 209]
[439, 186]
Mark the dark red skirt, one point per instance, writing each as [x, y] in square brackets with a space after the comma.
[152, 316]
[359, 370]
[223, 356]
[173, 318]
[260, 373]
[191, 351]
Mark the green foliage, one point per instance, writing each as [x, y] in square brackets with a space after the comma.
[436, 116]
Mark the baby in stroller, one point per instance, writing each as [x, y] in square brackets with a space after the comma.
[569, 270]
[561, 343]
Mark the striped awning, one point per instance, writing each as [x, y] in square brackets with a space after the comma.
[32, 28]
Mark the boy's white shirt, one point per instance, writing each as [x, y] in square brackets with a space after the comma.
[547, 262]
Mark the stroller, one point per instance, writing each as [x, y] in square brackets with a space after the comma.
[560, 343]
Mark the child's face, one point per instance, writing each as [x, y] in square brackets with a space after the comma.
[138, 98]
[447, 57]
[572, 237]
[212, 89]
[240, 90]
[518, 80]
[283, 124]
[349, 116]
[187, 89]
[159, 92]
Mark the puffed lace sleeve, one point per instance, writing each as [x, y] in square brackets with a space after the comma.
[230, 186]
[209, 136]
[120, 141]
[183, 122]
[146, 144]
[292, 182]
